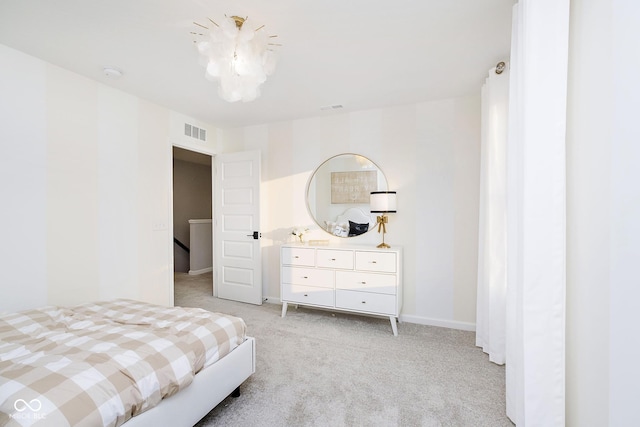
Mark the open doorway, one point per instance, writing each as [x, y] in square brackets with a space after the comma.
[192, 215]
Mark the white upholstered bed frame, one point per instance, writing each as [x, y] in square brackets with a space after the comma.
[356, 215]
[209, 387]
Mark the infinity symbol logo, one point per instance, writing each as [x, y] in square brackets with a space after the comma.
[21, 405]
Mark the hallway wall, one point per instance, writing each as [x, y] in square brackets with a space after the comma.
[191, 200]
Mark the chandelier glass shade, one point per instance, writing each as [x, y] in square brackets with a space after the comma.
[238, 55]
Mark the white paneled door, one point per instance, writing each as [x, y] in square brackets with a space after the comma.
[237, 228]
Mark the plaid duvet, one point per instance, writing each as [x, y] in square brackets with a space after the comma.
[100, 364]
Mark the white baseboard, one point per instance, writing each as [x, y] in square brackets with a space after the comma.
[202, 271]
[272, 300]
[451, 324]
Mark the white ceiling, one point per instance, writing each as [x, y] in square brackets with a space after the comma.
[361, 54]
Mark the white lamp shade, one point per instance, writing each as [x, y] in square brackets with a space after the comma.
[383, 202]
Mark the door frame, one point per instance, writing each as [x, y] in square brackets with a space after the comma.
[201, 150]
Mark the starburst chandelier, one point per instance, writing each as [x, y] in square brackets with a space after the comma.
[237, 54]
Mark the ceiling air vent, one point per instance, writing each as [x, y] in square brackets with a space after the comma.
[195, 132]
[332, 107]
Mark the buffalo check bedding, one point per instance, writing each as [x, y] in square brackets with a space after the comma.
[99, 364]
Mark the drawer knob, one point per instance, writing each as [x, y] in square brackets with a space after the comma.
[306, 295]
[305, 277]
[364, 283]
[296, 257]
[373, 262]
[364, 302]
[333, 259]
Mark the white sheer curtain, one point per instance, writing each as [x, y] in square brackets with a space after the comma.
[535, 230]
[492, 247]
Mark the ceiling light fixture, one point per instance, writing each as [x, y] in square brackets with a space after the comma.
[237, 54]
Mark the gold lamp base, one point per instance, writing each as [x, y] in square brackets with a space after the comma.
[382, 227]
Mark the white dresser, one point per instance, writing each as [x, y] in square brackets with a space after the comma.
[358, 279]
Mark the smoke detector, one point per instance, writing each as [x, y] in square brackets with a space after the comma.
[112, 73]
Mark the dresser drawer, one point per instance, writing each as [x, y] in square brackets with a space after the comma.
[366, 301]
[307, 295]
[376, 261]
[369, 282]
[298, 256]
[307, 277]
[331, 258]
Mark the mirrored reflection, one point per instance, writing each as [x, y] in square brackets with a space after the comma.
[338, 194]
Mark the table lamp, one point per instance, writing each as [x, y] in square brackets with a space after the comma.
[383, 202]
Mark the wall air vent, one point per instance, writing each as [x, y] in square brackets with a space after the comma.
[195, 132]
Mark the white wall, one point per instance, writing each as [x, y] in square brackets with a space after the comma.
[96, 190]
[191, 200]
[85, 178]
[430, 155]
[23, 181]
[603, 211]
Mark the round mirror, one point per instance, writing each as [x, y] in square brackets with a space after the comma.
[338, 194]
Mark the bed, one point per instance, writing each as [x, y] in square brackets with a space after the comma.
[119, 362]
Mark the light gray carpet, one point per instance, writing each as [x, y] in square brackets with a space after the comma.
[318, 368]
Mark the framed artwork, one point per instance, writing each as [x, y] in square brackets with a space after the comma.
[353, 187]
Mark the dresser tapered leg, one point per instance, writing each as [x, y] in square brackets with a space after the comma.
[394, 326]
[284, 309]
